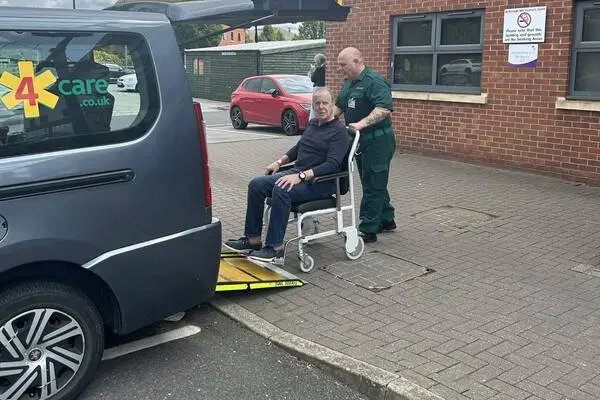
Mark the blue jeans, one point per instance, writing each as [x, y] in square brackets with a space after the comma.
[262, 187]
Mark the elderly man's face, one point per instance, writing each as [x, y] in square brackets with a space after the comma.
[323, 105]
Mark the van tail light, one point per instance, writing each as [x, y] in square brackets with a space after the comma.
[203, 147]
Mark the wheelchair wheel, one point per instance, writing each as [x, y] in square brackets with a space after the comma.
[307, 263]
[358, 252]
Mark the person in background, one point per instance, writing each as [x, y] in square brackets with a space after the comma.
[317, 76]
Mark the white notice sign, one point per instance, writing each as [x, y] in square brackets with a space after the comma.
[525, 25]
[523, 55]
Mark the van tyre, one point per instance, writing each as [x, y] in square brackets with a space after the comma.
[237, 118]
[57, 341]
[289, 123]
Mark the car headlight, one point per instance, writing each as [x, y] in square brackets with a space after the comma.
[306, 106]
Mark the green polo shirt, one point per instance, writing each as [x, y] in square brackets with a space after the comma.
[359, 97]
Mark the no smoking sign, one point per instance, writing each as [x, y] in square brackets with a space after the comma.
[525, 25]
[524, 19]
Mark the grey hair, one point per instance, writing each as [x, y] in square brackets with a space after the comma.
[320, 59]
[323, 90]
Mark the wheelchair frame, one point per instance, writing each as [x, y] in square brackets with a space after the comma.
[354, 244]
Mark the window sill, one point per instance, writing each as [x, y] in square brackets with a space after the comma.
[445, 97]
[580, 105]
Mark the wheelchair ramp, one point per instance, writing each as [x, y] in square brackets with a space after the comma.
[238, 273]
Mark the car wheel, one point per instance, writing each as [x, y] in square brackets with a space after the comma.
[237, 118]
[52, 339]
[289, 123]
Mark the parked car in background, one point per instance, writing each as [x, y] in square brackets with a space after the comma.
[128, 82]
[117, 71]
[274, 100]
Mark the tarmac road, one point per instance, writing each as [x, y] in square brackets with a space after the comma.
[223, 361]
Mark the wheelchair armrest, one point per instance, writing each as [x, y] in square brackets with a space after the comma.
[284, 167]
[287, 166]
[330, 177]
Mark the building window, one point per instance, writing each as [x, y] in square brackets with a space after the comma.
[438, 52]
[239, 37]
[585, 66]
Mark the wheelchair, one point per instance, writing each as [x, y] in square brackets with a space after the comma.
[303, 212]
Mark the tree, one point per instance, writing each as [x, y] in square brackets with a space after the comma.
[191, 35]
[269, 34]
[311, 30]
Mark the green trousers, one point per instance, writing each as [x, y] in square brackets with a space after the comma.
[375, 155]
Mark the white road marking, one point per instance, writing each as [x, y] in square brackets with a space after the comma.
[217, 125]
[152, 341]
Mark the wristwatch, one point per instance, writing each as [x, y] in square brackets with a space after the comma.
[302, 176]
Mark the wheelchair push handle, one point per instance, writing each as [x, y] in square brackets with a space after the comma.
[352, 131]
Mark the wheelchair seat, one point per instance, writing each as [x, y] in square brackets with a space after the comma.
[302, 207]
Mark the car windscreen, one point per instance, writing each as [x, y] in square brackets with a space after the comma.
[294, 85]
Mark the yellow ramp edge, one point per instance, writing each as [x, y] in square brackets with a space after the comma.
[238, 273]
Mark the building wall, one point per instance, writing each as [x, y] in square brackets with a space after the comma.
[291, 62]
[519, 127]
[236, 36]
[220, 74]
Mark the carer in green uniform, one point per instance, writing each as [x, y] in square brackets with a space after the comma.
[365, 100]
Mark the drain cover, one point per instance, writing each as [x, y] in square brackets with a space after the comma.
[376, 270]
[455, 217]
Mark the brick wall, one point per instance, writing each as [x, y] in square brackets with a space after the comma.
[519, 127]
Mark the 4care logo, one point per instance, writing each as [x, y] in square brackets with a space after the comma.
[29, 89]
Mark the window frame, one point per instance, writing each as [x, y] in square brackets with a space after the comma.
[268, 80]
[435, 48]
[247, 83]
[581, 47]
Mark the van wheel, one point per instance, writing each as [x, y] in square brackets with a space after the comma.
[237, 119]
[52, 339]
[289, 123]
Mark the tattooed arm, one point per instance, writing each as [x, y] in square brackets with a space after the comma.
[376, 116]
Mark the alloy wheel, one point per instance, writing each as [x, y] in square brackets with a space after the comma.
[41, 350]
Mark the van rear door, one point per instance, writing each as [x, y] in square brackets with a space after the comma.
[244, 13]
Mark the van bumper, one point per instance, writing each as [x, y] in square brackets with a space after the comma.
[155, 279]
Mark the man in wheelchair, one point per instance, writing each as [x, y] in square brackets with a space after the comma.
[320, 151]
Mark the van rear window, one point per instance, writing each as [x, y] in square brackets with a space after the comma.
[70, 90]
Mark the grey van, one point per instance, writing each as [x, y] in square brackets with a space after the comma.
[105, 196]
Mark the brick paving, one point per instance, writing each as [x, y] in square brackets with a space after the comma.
[509, 307]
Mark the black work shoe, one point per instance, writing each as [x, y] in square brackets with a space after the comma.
[386, 226]
[267, 254]
[242, 244]
[368, 237]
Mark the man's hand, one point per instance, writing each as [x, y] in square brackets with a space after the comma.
[288, 181]
[272, 168]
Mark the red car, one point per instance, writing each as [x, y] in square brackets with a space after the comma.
[275, 100]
